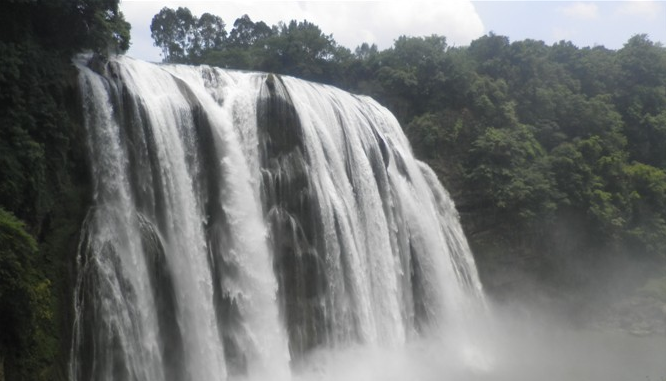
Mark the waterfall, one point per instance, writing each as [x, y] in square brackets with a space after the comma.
[241, 221]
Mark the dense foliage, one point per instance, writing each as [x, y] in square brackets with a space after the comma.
[555, 155]
[296, 48]
[24, 296]
[43, 176]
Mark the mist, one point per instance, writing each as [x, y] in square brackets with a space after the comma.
[610, 330]
[506, 345]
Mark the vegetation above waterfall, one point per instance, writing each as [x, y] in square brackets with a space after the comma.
[555, 155]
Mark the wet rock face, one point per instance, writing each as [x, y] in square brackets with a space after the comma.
[291, 212]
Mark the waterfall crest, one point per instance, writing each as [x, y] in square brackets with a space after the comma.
[242, 220]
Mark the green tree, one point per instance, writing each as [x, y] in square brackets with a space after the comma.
[412, 74]
[247, 33]
[208, 35]
[509, 174]
[244, 48]
[647, 222]
[641, 97]
[300, 49]
[174, 32]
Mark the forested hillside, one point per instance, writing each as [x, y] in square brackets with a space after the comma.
[44, 189]
[555, 155]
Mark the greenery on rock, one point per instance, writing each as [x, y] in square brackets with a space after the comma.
[24, 297]
[43, 175]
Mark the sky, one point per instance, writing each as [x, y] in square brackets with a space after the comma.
[585, 23]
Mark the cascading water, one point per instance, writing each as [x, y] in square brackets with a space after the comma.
[242, 221]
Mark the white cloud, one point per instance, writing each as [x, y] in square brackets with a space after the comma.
[353, 23]
[585, 11]
[350, 22]
[648, 10]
